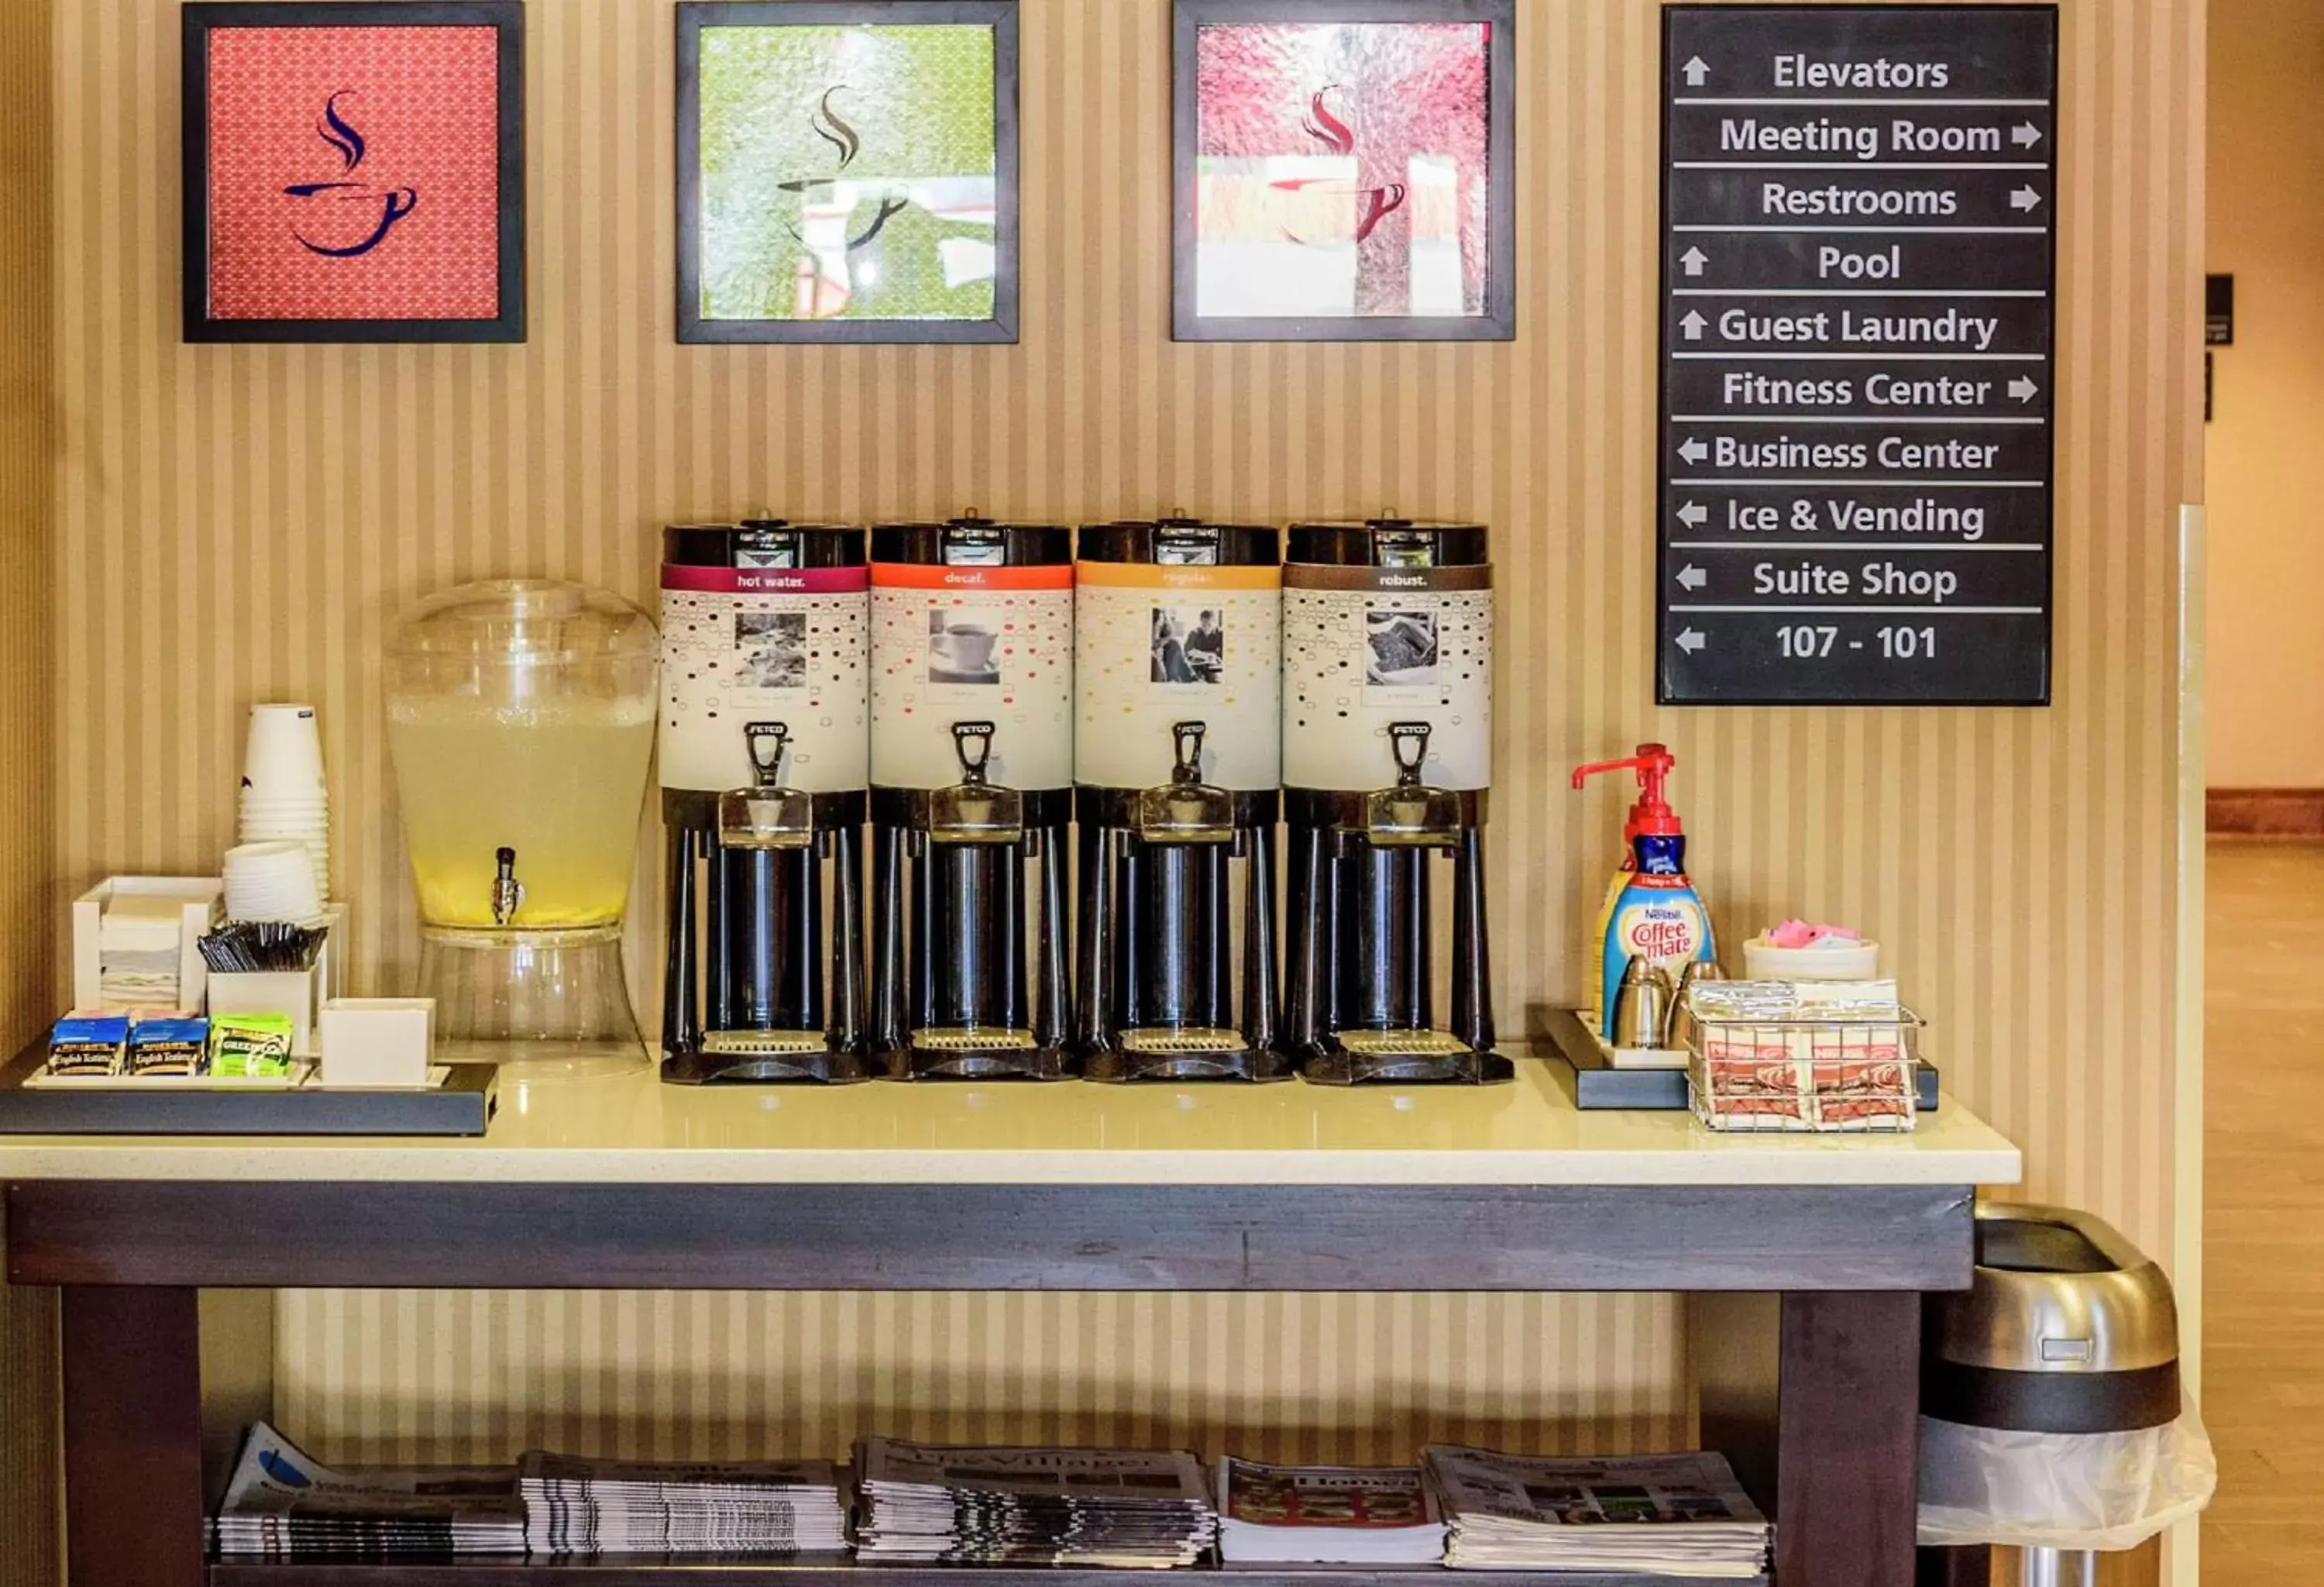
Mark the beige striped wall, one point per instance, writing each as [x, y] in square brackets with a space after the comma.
[28, 903]
[236, 523]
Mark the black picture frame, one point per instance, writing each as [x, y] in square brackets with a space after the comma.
[693, 16]
[197, 19]
[1498, 321]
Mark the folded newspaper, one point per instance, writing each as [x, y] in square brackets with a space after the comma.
[1672, 1514]
[283, 1504]
[1326, 1515]
[980, 1505]
[575, 1505]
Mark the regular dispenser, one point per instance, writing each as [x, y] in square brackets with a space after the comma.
[971, 791]
[1387, 669]
[1177, 756]
[765, 735]
[520, 719]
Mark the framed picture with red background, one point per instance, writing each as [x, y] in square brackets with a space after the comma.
[354, 170]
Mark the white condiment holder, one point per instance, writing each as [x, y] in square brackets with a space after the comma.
[201, 909]
[299, 993]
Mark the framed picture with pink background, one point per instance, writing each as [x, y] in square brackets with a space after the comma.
[1343, 171]
[354, 170]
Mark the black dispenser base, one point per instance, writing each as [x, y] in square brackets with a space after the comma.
[1338, 1065]
[1256, 1066]
[817, 1069]
[1001, 1061]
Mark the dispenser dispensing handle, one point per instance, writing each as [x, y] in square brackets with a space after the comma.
[508, 892]
[972, 743]
[1189, 738]
[1410, 743]
[768, 740]
[1653, 762]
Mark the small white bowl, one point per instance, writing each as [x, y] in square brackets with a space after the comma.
[1762, 960]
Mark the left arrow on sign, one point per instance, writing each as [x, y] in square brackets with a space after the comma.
[1694, 451]
[1692, 577]
[1691, 642]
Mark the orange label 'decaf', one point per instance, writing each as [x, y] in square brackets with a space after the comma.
[1150, 576]
[922, 576]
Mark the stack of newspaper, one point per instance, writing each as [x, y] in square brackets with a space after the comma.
[1326, 1515]
[965, 1505]
[574, 1505]
[1674, 1514]
[282, 1505]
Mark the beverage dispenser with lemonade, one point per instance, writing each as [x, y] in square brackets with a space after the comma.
[521, 720]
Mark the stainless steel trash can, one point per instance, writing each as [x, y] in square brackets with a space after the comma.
[2066, 1328]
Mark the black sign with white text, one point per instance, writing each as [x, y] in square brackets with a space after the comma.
[1859, 307]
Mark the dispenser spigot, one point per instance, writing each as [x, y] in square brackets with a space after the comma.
[1408, 741]
[508, 892]
[768, 740]
[972, 743]
[1187, 772]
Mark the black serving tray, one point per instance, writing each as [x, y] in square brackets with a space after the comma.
[1597, 1083]
[462, 1105]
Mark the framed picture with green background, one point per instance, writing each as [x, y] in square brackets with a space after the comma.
[847, 170]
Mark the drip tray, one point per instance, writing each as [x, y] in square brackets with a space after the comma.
[957, 1038]
[1190, 1040]
[1401, 1044]
[764, 1044]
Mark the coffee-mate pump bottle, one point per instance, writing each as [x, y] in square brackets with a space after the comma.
[1652, 910]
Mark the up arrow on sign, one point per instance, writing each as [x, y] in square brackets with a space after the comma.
[2025, 134]
[1694, 259]
[1691, 642]
[2023, 199]
[1698, 72]
[1692, 577]
[1693, 324]
[2023, 388]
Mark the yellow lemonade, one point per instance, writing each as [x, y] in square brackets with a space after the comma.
[560, 783]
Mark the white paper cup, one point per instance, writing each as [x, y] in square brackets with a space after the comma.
[284, 755]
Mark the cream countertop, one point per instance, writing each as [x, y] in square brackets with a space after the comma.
[630, 1129]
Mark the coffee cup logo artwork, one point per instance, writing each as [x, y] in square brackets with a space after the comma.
[375, 210]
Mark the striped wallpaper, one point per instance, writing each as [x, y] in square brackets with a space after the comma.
[29, 906]
[237, 523]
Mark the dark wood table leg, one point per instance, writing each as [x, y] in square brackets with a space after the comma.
[1956, 1567]
[1846, 1465]
[133, 1424]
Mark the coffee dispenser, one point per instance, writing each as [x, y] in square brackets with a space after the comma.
[1387, 669]
[765, 776]
[1177, 756]
[971, 789]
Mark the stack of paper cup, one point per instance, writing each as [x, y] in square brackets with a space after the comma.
[282, 791]
[271, 881]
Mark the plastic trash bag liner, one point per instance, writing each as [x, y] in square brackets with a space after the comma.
[2102, 1490]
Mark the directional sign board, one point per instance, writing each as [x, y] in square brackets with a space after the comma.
[1859, 269]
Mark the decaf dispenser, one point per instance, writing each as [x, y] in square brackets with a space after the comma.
[1177, 758]
[1388, 668]
[765, 735]
[972, 792]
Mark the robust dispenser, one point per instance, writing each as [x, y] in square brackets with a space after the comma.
[765, 734]
[1177, 758]
[971, 789]
[520, 719]
[1388, 670]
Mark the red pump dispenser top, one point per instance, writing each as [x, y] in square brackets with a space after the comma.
[1652, 816]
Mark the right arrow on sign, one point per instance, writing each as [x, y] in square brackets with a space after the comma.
[1694, 451]
[1694, 259]
[2023, 388]
[2024, 199]
[1692, 577]
[1698, 72]
[1691, 642]
[2025, 134]
[1694, 515]
[1694, 325]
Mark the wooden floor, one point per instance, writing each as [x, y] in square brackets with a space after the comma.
[2263, 1211]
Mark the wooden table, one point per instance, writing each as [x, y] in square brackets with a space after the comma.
[1808, 1256]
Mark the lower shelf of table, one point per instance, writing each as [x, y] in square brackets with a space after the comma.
[701, 1570]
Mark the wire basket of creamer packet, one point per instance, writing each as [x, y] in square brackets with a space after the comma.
[1798, 1057]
